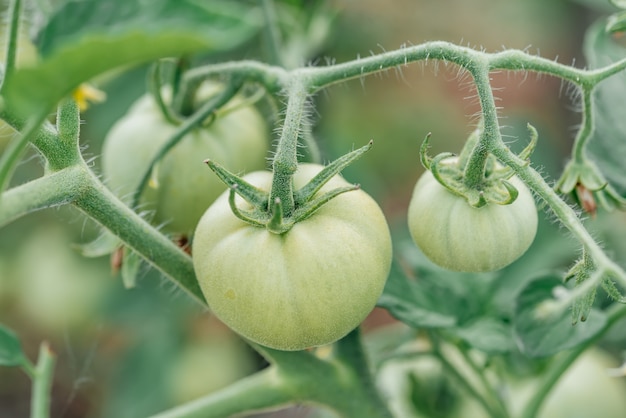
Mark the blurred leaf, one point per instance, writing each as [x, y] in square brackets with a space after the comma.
[607, 145]
[616, 23]
[599, 5]
[88, 37]
[619, 3]
[103, 245]
[130, 268]
[11, 353]
[487, 334]
[424, 295]
[408, 301]
[540, 335]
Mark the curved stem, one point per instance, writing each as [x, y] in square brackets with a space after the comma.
[490, 132]
[586, 129]
[42, 383]
[189, 124]
[561, 209]
[531, 409]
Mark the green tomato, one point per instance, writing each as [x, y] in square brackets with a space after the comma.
[585, 390]
[307, 287]
[182, 187]
[459, 237]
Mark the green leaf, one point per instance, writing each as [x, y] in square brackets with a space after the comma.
[490, 335]
[424, 295]
[11, 353]
[408, 301]
[607, 145]
[89, 37]
[539, 334]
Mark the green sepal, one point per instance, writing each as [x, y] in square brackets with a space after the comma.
[11, 353]
[245, 216]
[131, 263]
[252, 194]
[155, 86]
[494, 187]
[585, 173]
[425, 159]
[312, 206]
[307, 192]
[616, 22]
[102, 245]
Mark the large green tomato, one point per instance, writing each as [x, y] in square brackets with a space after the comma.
[182, 187]
[585, 390]
[459, 237]
[307, 287]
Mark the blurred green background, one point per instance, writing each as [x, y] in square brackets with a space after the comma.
[129, 353]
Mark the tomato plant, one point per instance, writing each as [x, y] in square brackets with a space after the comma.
[179, 190]
[313, 293]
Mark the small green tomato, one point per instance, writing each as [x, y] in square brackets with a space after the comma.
[306, 287]
[459, 237]
[181, 189]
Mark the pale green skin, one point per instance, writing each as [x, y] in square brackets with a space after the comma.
[459, 237]
[185, 187]
[307, 287]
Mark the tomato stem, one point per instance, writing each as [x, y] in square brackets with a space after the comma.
[285, 161]
[474, 174]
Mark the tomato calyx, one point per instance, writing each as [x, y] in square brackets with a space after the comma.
[307, 200]
[450, 171]
[584, 181]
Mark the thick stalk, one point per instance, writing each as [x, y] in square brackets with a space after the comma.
[285, 161]
[101, 205]
[51, 190]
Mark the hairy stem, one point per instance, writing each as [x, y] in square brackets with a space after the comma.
[101, 205]
[285, 161]
[51, 190]
[490, 133]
